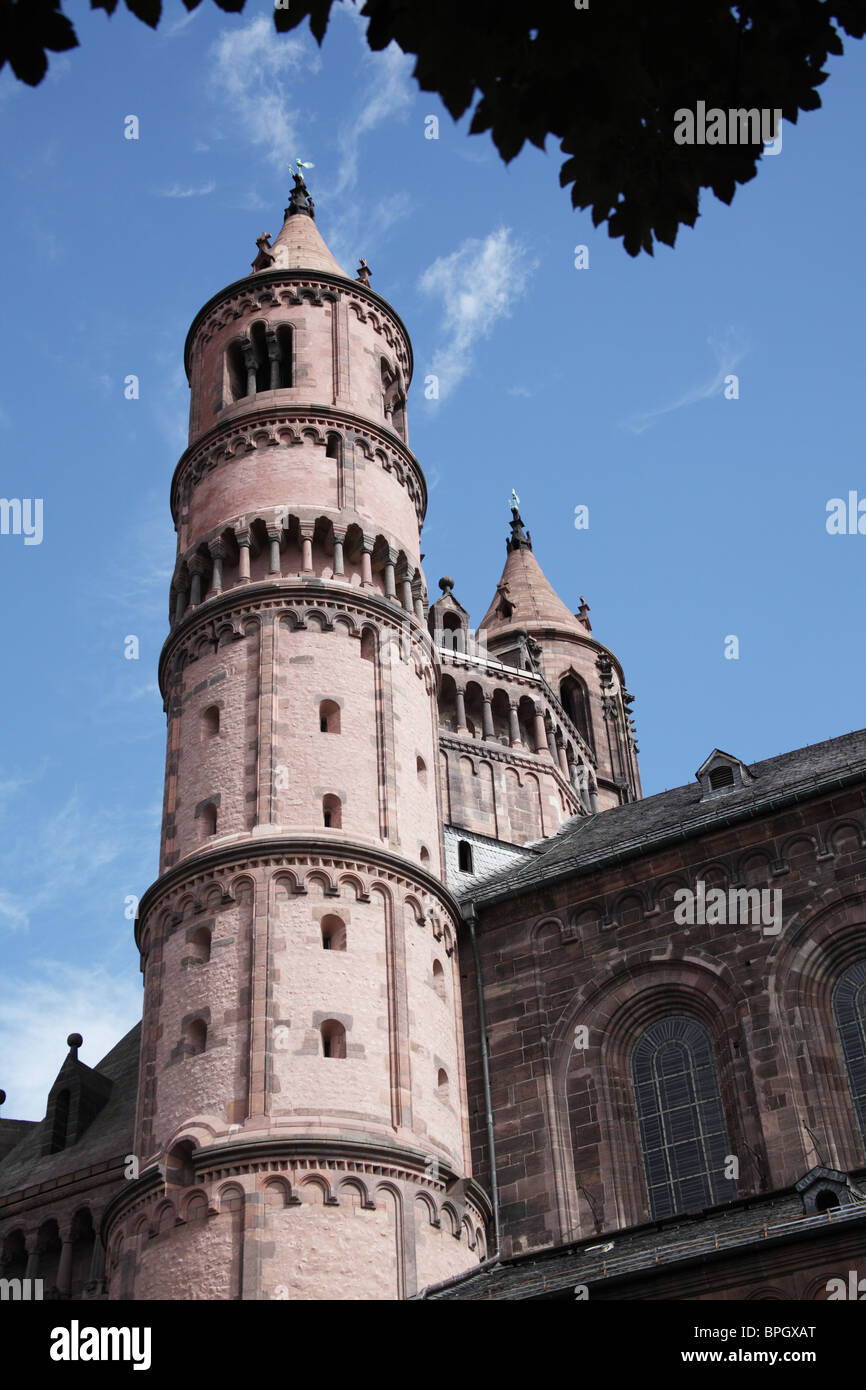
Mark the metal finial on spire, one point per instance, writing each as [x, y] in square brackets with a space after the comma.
[519, 539]
[299, 198]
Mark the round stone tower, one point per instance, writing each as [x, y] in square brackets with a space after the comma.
[302, 1124]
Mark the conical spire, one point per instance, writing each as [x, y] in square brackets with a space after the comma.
[524, 597]
[300, 245]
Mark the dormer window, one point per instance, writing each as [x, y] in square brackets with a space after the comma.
[721, 773]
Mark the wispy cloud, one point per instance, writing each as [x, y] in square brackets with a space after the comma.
[38, 1012]
[728, 351]
[388, 95]
[478, 285]
[178, 190]
[171, 31]
[70, 847]
[251, 77]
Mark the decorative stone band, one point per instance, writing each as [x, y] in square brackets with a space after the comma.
[528, 761]
[295, 858]
[288, 287]
[269, 428]
[258, 1162]
[228, 616]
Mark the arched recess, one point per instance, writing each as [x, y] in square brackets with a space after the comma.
[595, 1125]
[574, 698]
[389, 1197]
[805, 966]
[399, 1066]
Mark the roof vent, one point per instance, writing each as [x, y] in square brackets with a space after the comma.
[722, 773]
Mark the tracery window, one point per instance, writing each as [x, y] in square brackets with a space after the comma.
[683, 1132]
[849, 1011]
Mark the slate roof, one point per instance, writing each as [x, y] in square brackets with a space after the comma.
[586, 843]
[109, 1135]
[606, 1264]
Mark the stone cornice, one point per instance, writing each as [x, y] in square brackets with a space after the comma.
[286, 595]
[502, 753]
[251, 1154]
[209, 448]
[283, 851]
[271, 278]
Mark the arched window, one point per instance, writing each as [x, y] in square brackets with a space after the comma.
[208, 820]
[333, 1038]
[683, 1133]
[333, 933]
[464, 856]
[442, 1086]
[439, 978]
[453, 639]
[284, 343]
[210, 721]
[196, 1037]
[575, 701]
[393, 397]
[332, 449]
[260, 352]
[421, 769]
[329, 717]
[237, 372]
[849, 1011]
[424, 855]
[332, 812]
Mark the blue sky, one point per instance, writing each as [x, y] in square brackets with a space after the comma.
[600, 387]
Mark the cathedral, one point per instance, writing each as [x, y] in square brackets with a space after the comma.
[437, 1005]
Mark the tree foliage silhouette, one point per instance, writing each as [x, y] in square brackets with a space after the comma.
[605, 81]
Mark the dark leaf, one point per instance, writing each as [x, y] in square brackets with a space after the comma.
[147, 10]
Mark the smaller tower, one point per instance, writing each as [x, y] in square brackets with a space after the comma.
[534, 715]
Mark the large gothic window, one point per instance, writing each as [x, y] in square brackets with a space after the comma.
[849, 1010]
[683, 1135]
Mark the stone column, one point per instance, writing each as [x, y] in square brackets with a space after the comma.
[244, 541]
[274, 357]
[274, 539]
[32, 1260]
[563, 760]
[462, 727]
[367, 560]
[540, 732]
[390, 560]
[487, 716]
[250, 364]
[406, 588]
[513, 727]
[339, 538]
[307, 549]
[196, 569]
[180, 601]
[217, 552]
[419, 607]
[64, 1268]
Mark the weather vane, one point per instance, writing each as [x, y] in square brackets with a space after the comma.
[515, 501]
[302, 164]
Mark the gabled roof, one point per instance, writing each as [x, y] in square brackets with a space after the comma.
[109, 1134]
